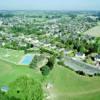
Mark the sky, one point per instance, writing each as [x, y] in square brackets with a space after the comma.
[49, 4]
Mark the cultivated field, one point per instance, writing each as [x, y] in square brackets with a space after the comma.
[95, 31]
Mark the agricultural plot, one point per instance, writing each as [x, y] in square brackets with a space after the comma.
[94, 31]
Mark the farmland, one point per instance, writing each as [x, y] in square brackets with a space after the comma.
[95, 31]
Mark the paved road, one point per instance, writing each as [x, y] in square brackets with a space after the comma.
[80, 66]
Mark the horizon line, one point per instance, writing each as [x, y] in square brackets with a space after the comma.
[47, 10]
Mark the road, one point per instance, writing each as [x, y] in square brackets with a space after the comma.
[77, 65]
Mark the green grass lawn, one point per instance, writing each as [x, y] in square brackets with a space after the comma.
[95, 31]
[9, 72]
[11, 55]
[67, 85]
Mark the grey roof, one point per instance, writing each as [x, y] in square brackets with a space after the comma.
[97, 56]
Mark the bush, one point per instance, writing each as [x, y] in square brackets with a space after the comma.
[49, 66]
[48, 50]
[3, 96]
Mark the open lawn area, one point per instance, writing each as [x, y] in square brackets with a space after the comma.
[9, 72]
[13, 56]
[67, 85]
[95, 31]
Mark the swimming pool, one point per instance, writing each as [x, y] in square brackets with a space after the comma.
[27, 59]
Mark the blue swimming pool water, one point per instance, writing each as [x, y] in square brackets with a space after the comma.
[27, 59]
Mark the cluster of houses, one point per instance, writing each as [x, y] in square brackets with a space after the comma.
[96, 58]
[24, 40]
[52, 27]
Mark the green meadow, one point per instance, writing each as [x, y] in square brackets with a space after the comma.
[66, 84]
[9, 55]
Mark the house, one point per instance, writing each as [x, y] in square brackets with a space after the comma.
[80, 55]
[66, 52]
[3, 43]
[97, 60]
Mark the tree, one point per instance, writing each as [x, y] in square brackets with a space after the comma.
[51, 62]
[49, 66]
[45, 70]
[38, 61]
[25, 88]
[82, 49]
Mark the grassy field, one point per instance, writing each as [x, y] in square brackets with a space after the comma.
[9, 71]
[11, 55]
[95, 31]
[67, 85]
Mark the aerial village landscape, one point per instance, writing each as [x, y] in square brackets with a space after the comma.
[49, 55]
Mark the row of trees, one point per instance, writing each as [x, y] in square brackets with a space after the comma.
[81, 43]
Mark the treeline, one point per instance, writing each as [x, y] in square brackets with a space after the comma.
[6, 15]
